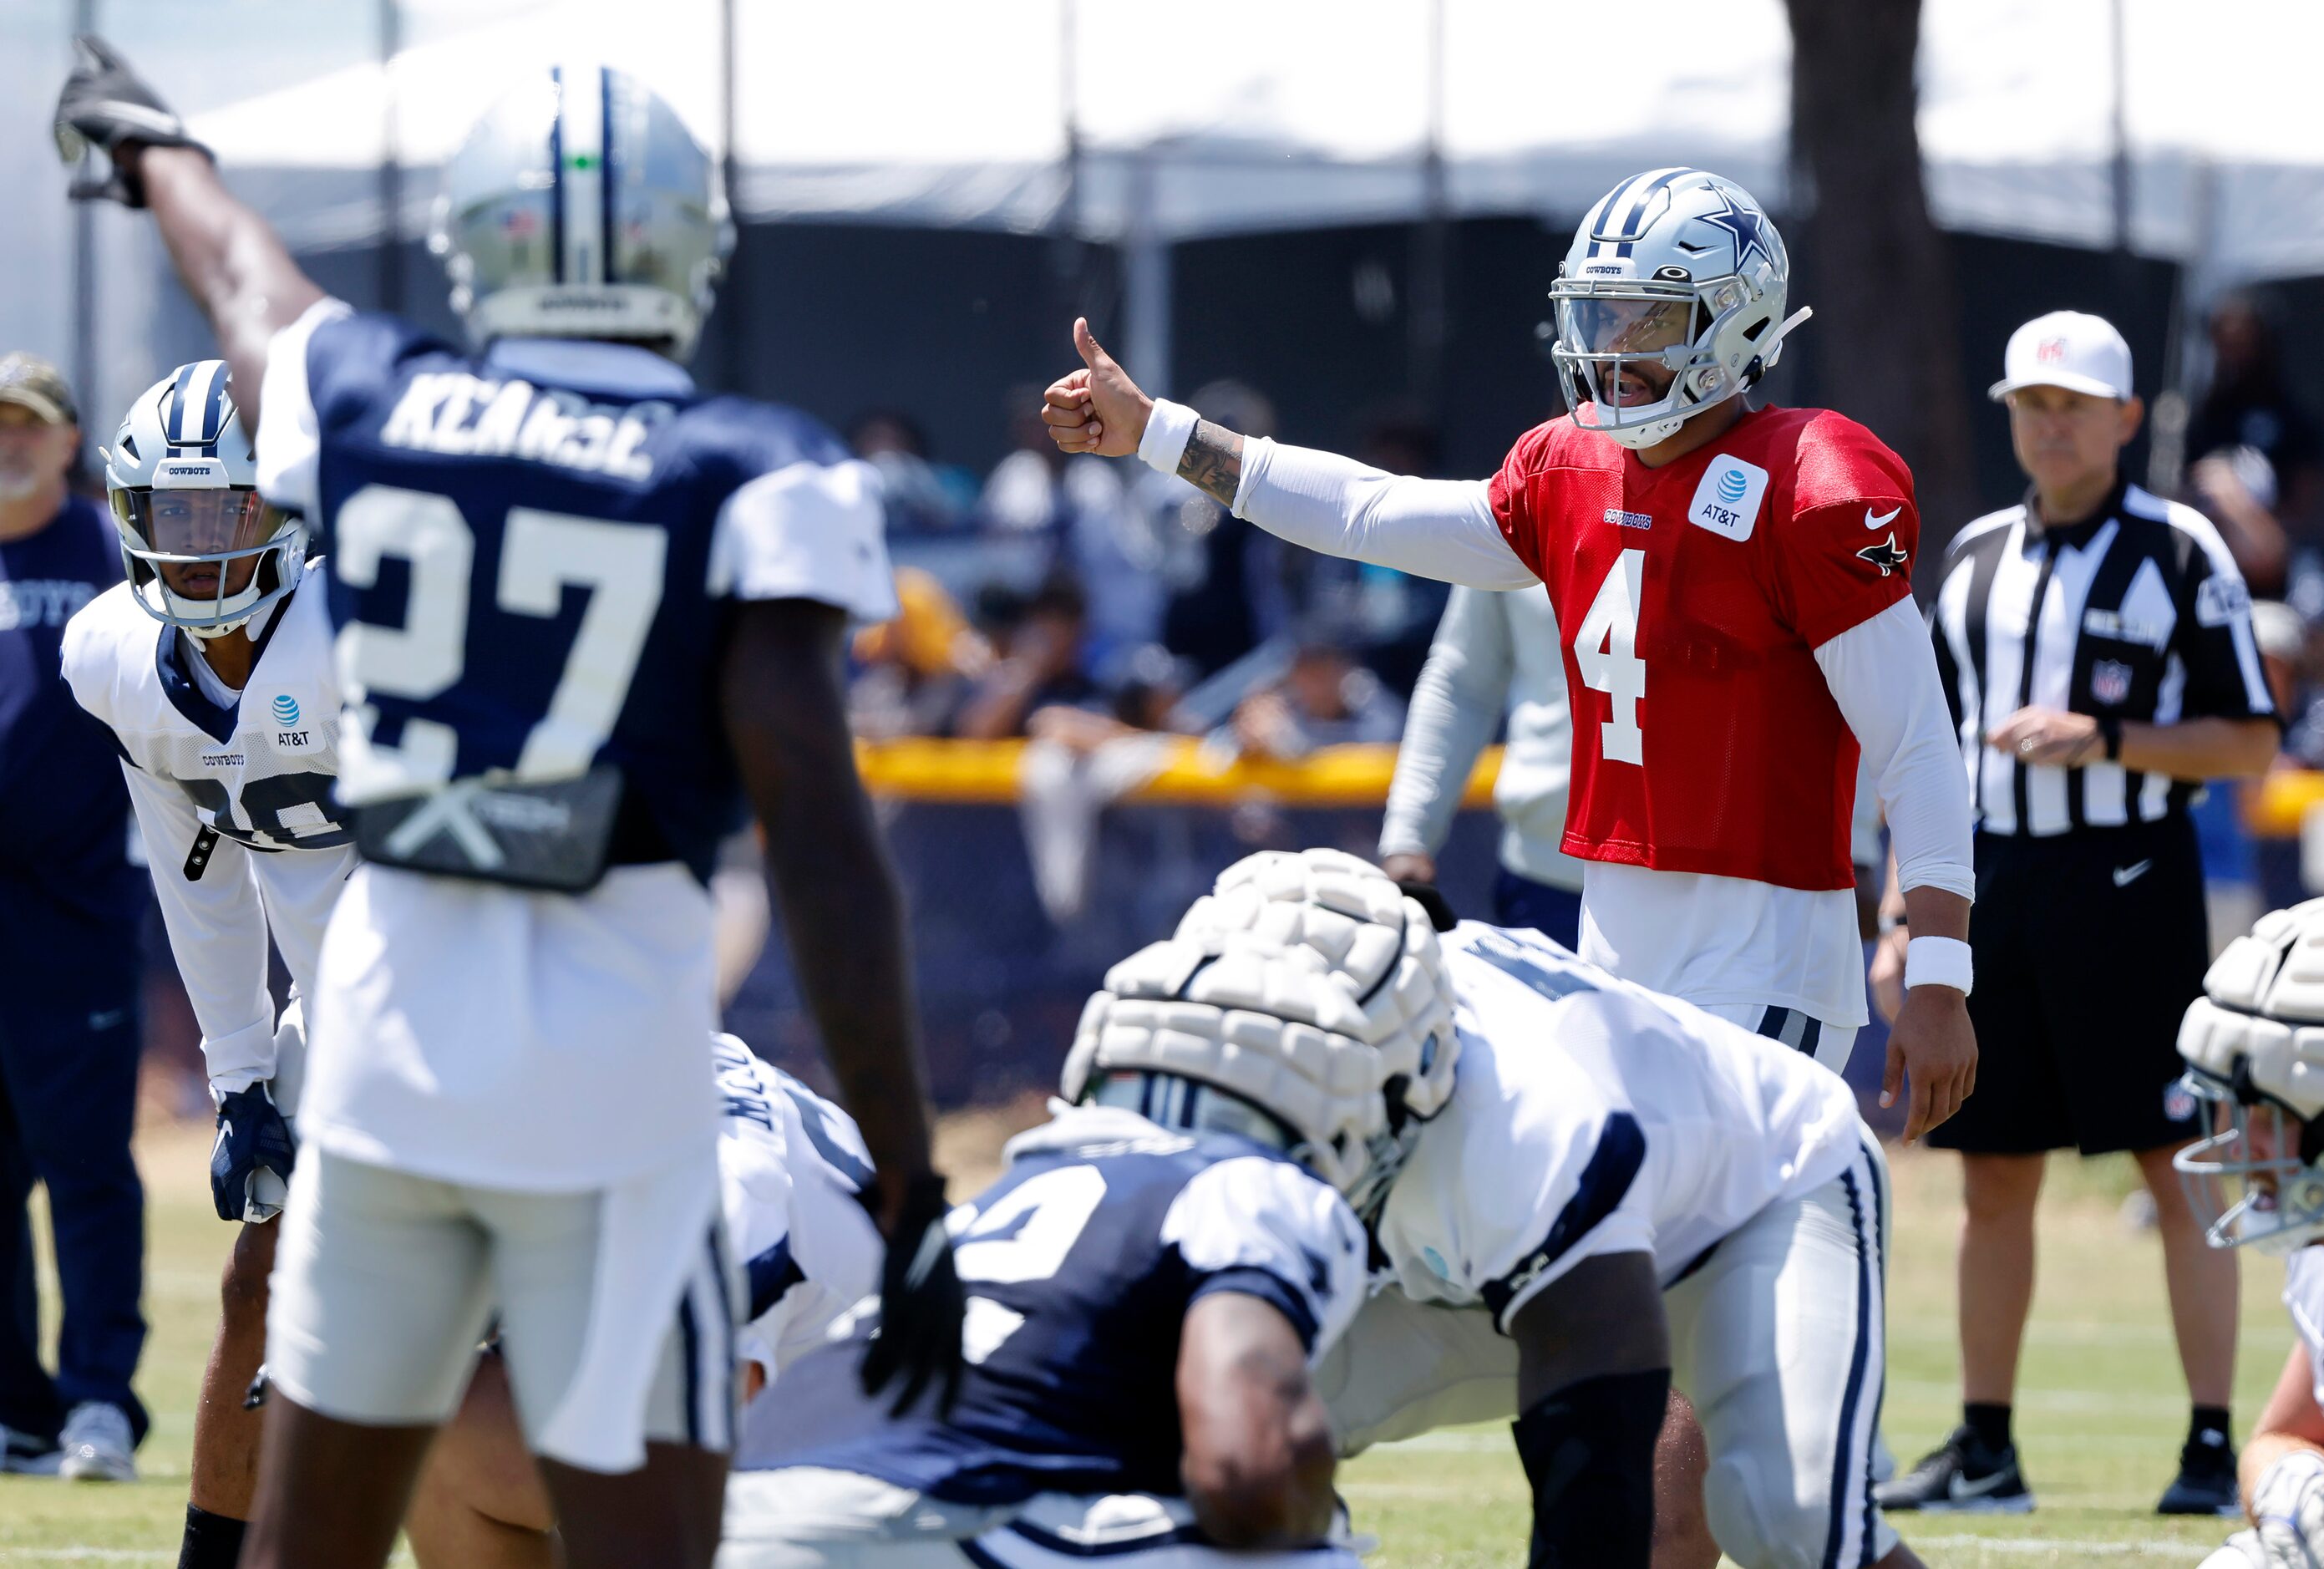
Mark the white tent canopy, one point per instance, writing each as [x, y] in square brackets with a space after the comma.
[1210, 118]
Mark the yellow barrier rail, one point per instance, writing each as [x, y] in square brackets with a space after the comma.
[2275, 803]
[985, 772]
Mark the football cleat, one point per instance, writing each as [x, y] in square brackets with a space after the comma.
[1960, 1477]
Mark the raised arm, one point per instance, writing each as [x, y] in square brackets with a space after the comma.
[1430, 527]
[229, 258]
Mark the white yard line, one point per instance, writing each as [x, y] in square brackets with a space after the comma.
[2177, 1552]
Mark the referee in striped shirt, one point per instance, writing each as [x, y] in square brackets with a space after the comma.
[2095, 645]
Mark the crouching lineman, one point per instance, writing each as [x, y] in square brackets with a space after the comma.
[1631, 1193]
[2255, 1051]
[791, 1170]
[1149, 1281]
[214, 672]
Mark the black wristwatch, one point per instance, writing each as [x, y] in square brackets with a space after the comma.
[2110, 729]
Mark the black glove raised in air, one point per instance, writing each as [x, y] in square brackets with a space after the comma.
[921, 1304]
[252, 1137]
[106, 105]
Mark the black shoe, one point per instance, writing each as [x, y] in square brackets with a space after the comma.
[2206, 1483]
[1962, 1477]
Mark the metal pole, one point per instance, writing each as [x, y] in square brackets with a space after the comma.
[2121, 135]
[391, 162]
[735, 329]
[1145, 282]
[84, 267]
[1428, 326]
[1068, 253]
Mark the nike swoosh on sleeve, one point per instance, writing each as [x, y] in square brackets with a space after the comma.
[1883, 521]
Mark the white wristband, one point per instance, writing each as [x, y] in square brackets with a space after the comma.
[1937, 962]
[1169, 428]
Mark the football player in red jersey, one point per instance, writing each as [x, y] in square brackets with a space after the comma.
[1733, 586]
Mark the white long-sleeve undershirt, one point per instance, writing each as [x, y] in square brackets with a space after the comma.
[1884, 677]
[1431, 527]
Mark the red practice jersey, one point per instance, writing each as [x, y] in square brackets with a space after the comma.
[1690, 598]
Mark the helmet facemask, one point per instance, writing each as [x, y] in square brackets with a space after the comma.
[1673, 329]
[2255, 1181]
[215, 533]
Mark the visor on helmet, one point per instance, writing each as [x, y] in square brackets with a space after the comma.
[250, 554]
[2253, 1181]
[1627, 326]
[196, 525]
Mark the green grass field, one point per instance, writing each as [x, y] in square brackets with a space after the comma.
[2100, 1415]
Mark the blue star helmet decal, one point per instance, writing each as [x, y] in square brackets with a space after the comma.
[1749, 227]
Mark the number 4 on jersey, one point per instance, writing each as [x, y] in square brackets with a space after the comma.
[1606, 651]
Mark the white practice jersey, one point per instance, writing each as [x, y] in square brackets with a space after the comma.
[790, 1165]
[257, 775]
[2303, 1298]
[1592, 1116]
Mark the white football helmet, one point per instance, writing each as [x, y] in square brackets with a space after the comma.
[580, 206]
[2254, 1049]
[182, 477]
[1678, 270]
[1245, 1035]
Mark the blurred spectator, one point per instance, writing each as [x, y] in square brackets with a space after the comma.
[915, 670]
[1324, 699]
[2255, 463]
[2284, 639]
[1044, 662]
[1495, 653]
[1229, 587]
[1082, 503]
[1398, 613]
[921, 496]
[2283, 642]
[1080, 761]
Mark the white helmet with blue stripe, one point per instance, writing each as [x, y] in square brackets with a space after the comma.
[1669, 302]
[202, 550]
[580, 206]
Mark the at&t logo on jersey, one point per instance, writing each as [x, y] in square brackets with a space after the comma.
[1727, 500]
[285, 710]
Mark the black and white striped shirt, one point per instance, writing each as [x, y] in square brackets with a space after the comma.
[2144, 616]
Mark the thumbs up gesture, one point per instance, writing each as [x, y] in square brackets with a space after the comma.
[1098, 408]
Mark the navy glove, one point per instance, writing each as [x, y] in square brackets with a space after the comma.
[253, 1139]
[106, 106]
[921, 1304]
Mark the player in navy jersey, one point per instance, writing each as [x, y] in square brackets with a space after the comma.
[1151, 1278]
[581, 612]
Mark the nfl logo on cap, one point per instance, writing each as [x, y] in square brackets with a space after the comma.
[2069, 349]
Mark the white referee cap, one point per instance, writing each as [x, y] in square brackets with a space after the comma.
[2068, 350]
